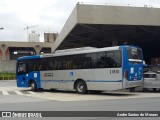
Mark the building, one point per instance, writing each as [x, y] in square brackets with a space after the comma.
[10, 51]
[33, 37]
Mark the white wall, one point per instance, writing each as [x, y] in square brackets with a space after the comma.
[8, 66]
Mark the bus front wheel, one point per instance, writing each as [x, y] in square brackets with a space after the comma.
[33, 86]
[81, 87]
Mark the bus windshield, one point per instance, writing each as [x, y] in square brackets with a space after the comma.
[21, 67]
[134, 54]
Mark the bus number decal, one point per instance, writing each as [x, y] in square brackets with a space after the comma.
[114, 71]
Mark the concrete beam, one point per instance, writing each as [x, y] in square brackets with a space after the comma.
[25, 44]
[37, 46]
[117, 15]
[108, 15]
[37, 49]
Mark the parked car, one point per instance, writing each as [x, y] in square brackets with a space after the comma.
[151, 81]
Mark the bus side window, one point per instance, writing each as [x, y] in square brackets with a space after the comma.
[87, 63]
[51, 64]
[109, 62]
[66, 62]
[82, 61]
[40, 64]
[101, 63]
[31, 65]
[79, 61]
[93, 60]
[58, 63]
[115, 58]
[59, 67]
[34, 67]
[45, 64]
[55, 65]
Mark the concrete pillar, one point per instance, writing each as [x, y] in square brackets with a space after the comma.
[7, 54]
[3, 50]
[52, 49]
[37, 49]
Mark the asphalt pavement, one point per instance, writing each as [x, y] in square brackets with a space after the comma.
[22, 99]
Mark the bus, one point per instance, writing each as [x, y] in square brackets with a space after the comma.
[83, 70]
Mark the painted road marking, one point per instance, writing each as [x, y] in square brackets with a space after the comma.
[5, 93]
[18, 92]
[32, 92]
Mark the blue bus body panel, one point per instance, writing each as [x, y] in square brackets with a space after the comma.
[135, 71]
[23, 80]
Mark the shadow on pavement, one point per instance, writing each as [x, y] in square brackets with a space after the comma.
[89, 93]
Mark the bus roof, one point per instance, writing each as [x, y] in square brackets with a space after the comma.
[74, 51]
[80, 51]
[29, 57]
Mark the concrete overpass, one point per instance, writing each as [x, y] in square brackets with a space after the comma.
[103, 25]
[10, 51]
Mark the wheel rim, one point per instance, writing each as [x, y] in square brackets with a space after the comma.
[80, 87]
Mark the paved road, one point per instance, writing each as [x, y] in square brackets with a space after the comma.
[20, 99]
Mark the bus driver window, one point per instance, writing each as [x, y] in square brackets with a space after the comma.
[21, 68]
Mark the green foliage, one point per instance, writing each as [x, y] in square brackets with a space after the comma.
[7, 76]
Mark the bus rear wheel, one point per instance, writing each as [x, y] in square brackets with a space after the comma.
[33, 86]
[81, 87]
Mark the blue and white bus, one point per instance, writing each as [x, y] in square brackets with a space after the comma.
[93, 69]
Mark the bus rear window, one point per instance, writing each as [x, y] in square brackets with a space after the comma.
[134, 55]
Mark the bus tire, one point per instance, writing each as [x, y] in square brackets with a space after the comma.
[33, 86]
[81, 87]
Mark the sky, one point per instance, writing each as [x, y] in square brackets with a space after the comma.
[45, 15]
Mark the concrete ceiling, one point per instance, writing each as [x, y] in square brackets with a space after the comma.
[107, 35]
[102, 26]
